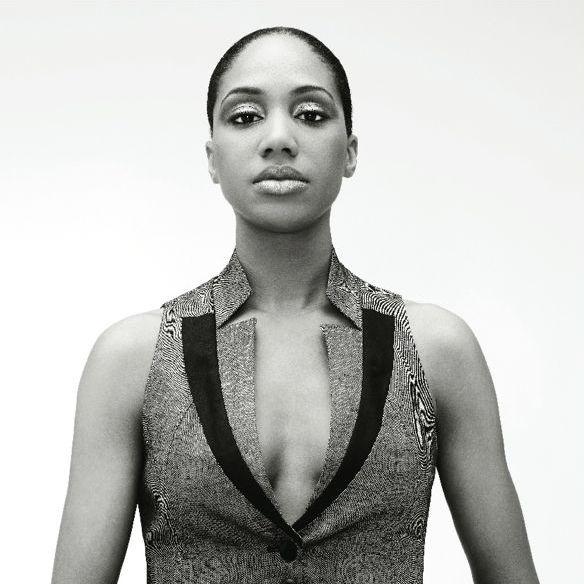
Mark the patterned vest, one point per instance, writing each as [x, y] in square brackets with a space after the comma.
[207, 508]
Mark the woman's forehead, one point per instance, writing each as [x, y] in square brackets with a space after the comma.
[277, 61]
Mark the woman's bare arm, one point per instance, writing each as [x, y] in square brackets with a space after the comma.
[471, 458]
[106, 456]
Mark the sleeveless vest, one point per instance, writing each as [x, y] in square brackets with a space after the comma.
[207, 508]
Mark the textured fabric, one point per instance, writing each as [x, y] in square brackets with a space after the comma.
[366, 519]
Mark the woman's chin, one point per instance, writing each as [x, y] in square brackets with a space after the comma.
[282, 220]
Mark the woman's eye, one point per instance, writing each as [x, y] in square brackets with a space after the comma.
[313, 116]
[245, 117]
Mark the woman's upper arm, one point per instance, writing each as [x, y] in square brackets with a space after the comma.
[106, 455]
[471, 457]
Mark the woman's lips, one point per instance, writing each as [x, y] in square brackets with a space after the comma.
[281, 172]
[280, 187]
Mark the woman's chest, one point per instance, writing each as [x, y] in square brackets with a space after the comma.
[292, 408]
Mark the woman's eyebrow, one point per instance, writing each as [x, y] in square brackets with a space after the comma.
[308, 88]
[257, 91]
[247, 90]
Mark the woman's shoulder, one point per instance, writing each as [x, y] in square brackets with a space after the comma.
[447, 347]
[436, 325]
[132, 338]
[120, 360]
[132, 334]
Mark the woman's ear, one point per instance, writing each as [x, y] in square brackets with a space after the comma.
[210, 149]
[351, 163]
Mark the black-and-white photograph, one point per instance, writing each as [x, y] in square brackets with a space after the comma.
[294, 291]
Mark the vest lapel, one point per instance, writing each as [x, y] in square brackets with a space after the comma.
[236, 357]
[344, 345]
[378, 333]
[202, 370]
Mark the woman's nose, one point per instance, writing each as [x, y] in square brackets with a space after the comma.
[279, 136]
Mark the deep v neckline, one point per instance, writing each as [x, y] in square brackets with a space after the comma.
[200, 350]
[240, 397]
[216, 369]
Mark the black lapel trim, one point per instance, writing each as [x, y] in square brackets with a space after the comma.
[378, 334]
[202, 368]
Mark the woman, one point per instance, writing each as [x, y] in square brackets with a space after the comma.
[278, 423]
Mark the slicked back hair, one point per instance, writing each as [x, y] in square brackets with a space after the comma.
[319, 48]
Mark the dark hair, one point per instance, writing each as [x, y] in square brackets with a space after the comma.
[325, 54]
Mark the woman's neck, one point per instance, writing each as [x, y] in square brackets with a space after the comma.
[287, 271]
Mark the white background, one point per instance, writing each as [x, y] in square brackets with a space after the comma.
[468, 194]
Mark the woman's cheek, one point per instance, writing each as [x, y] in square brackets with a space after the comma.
[230, 147]
[334, 158]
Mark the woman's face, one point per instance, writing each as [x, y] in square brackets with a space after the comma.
[277, 106]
